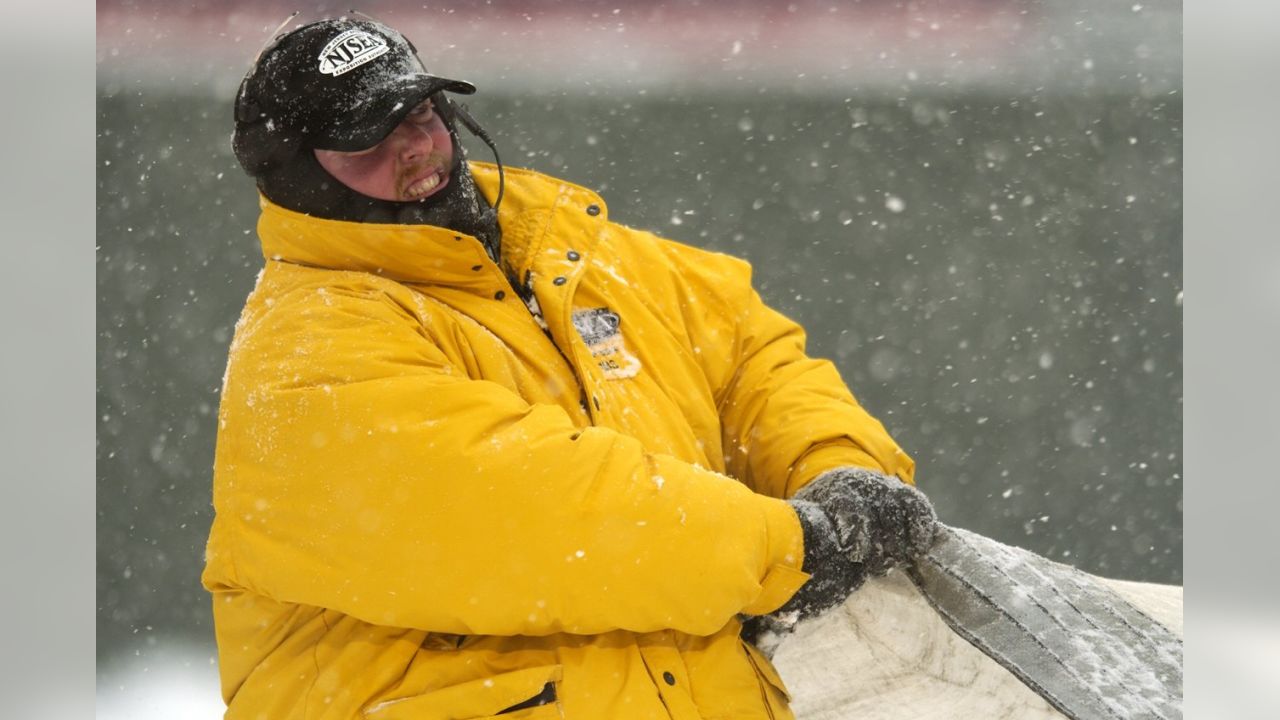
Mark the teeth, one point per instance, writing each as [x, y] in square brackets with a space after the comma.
[423, 186]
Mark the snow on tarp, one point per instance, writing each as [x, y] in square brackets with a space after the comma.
[1099, 648]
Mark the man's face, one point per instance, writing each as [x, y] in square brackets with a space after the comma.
[411, 163]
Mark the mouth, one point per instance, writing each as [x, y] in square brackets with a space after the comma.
[424, 185]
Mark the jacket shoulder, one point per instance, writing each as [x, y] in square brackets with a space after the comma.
[696, 275]
[295, 312]
[284, 288]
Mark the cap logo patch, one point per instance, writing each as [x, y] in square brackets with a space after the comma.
[350, 50]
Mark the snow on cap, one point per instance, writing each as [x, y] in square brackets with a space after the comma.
[338, 84]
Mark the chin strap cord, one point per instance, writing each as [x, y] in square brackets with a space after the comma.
[461, 111]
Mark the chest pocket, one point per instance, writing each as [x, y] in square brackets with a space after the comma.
[601, 330]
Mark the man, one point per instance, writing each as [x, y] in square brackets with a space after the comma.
[483, 451]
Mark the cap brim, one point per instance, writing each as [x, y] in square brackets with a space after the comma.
[370, 121]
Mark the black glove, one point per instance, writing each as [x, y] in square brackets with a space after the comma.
[856, 523]
[834, 573]
[880, 521]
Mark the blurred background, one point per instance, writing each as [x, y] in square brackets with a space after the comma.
[973, 206]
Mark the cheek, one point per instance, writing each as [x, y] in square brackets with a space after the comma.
[441, 140]
[372, 174]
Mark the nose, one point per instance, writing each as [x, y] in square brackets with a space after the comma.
[414, 142]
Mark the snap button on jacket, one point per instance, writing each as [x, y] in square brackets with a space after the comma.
[417, 518]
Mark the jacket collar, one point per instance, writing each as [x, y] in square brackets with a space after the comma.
[424, 253]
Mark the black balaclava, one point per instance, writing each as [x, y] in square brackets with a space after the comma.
[301, 183]
[344, 84]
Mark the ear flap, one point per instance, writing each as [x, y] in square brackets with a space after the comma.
[258, 145]
[247, 109]
[260, 150]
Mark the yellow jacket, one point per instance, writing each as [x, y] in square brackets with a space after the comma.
[427, 510]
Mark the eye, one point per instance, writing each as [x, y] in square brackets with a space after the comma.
[423, 113]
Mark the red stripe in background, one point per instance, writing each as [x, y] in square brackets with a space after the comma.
[561, 44]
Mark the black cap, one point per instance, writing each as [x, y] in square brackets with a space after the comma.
[338, 84]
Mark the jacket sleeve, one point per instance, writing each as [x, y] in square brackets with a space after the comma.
[357, 469]
[786, 417]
